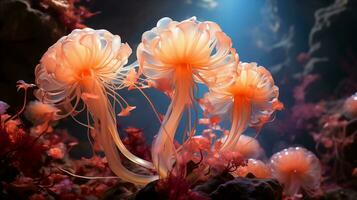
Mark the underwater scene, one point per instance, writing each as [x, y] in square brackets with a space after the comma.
[178, 100]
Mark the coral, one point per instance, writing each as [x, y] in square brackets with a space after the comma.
[136, 143]
[33, 166]
[69, 12]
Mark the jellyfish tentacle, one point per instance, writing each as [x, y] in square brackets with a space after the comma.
[104, 122]
[240, 120]
[161, 154]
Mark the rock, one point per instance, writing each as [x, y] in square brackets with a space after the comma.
[121, 191]
[212, 184]
[25, 34]
[249, 189]
[148, 192]
[341, 194]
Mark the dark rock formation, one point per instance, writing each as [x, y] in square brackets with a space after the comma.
[341, 194]
[121, 191]
[25, 34]
[225, 187]
[249, 189]
[213, 183]
[148, 192]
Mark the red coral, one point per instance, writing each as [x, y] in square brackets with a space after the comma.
[68, 12]
[136, 143]
[299, 91]
[177, 188]
[303, 58]
[25, 155]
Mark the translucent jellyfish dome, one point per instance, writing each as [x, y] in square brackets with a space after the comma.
[69, 67]
[297, 169]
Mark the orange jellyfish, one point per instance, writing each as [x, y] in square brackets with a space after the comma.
[248, 147]
[184, 53]
[296, 168]
[39, 113]
[86, 65]
[249, 96]
[256, 167]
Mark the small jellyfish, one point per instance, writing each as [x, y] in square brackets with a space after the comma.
[350, 106]
[297, 169]
[250, 97]
[85, 66]
[39, 113]
[248, 147]
[256, 167]
[182, 53]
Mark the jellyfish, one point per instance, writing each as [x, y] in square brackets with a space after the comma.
[256, 167]
[248, 147]
[350, 106]
[182, 53]
[81, 69]
[296, 168]
[249, 96]
[39, 113]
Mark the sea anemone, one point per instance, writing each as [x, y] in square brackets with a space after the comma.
[249, 96]
[184, 53]
[86, 65]
[256, 167]
[296, 168]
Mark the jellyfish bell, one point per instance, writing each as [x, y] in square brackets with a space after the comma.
[256, 167]
[188, 49]
[250, 97]
[84, 67]
[247, 146]
[350, 106]
[38, 112]
[182, 53]
[297, 169]
[67, 67]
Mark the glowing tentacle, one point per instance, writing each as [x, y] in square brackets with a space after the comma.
[163, 148]
[105, 125]
[240, 120]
